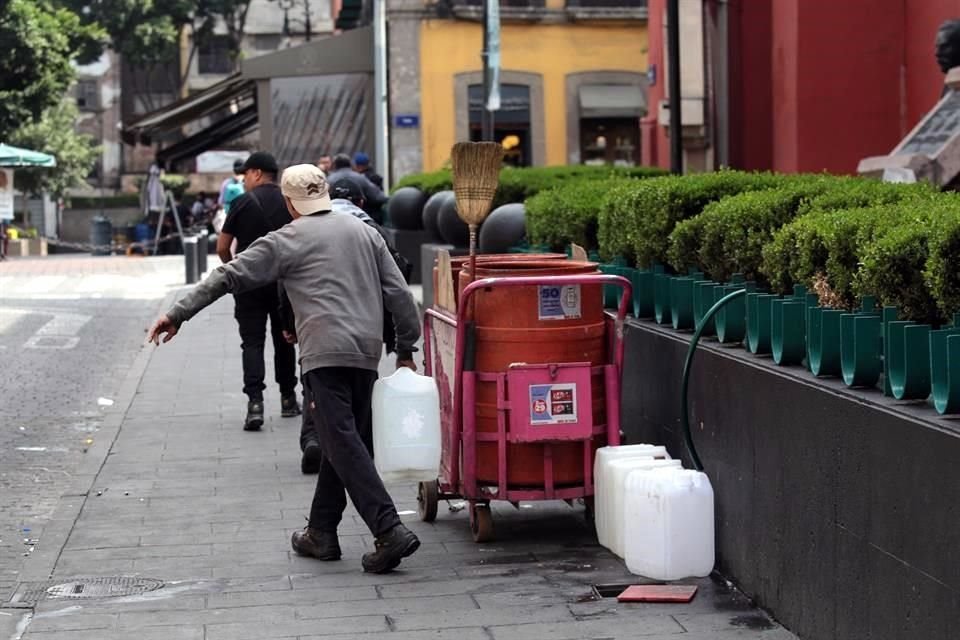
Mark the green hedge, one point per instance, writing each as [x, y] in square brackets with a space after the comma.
[729, 236]
[941, 273]
[559, 216]
[637, 218]
[519, 184]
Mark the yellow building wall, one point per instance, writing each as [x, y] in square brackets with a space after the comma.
[451, 47]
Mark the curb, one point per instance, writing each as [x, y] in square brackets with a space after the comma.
[55, 534]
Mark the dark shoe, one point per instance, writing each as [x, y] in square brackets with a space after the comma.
[254, 416]
[391, 547]
[310, 462]
[289, 407]
[312, 543]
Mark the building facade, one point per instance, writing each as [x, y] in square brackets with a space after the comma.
[573, 81]
[795, 85]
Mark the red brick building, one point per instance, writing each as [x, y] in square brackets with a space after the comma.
[795, 85]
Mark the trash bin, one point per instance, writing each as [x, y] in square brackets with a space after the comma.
[101, 236]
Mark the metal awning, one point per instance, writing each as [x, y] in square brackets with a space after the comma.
[234, 89]
[612, 101]
[236, 126]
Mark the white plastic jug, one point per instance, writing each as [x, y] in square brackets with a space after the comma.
[619, 470]
[601, 467]
[406, 427]
[669, 524]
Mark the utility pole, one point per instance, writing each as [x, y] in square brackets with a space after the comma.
[486, 116]
[673, 61]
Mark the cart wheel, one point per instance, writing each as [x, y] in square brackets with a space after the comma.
[481, 524]
[588, 509]
[428, 495]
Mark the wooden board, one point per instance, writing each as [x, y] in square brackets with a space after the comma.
[658, 593]
[444, 294]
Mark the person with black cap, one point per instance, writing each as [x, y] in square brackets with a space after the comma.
[373, 196]
[260, 210]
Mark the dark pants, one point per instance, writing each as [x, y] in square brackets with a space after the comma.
[340, 404]
[251, 309]
[308, 430]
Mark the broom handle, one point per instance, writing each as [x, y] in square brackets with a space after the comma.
[473, 260]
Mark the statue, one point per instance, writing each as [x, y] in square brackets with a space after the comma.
[948, 45]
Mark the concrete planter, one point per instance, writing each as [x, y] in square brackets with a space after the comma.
[837, 508]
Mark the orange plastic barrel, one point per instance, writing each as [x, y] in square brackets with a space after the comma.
[457, 263]
[508, 330]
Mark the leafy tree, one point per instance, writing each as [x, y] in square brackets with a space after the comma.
[54, 134]
[38, 42]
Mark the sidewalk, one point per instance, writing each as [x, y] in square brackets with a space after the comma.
[185, 497]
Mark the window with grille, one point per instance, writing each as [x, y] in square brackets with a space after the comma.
[213, 56]
[88, 95]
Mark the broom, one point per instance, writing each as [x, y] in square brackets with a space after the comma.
[476, 174]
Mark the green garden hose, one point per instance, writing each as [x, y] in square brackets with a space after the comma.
[684, 418]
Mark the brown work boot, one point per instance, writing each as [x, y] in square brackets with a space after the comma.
[391, 547]
[313, 543]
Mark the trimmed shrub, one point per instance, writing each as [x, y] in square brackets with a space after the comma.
[638, 217]
[559, 216]
[941, 273]
[912, 265]
[729, 235]
[519, 183]
[799, 250]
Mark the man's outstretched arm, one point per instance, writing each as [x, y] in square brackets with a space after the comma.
[259, 265]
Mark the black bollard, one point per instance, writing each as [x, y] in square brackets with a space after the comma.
[202, 249]
[190, 259]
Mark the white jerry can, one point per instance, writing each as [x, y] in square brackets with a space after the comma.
[669, 524]
[406, 427]
[602, 507]
[615, 489]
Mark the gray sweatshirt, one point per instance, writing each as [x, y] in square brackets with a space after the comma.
[338, 274]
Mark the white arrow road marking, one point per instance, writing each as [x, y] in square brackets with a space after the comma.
[60, 332]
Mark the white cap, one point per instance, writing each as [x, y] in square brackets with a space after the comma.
[306, 186]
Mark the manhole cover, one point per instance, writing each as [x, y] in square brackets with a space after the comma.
[70, 588]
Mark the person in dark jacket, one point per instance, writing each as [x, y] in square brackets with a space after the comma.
[373, 196]
[361, 164]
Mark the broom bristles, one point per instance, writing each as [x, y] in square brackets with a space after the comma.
[476, 175]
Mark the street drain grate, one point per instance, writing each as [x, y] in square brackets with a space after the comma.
[73, 588]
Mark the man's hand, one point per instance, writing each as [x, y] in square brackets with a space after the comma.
[162, 326]
[409, 364]
[290, 337]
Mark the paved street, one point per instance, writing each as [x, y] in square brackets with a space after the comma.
[70, 328]
[173, 494]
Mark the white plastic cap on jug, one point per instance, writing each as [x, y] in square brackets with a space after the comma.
[616, 500]
[669, 524]
[406, 427]
[602, 459]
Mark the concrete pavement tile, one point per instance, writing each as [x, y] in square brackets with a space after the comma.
[461, 633]
[350, 595]
[351, 575]
[476, 617]
[131, 603]
[266, 615]
[651, 626]
[177, 632]
[393, 607]
[744, 622]
[327, 626]
[71, 619]
[456, 586]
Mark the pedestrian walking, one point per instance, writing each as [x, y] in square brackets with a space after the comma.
[373, 196]
[346, 199]
[339, 275]
[361, 164]
[236, 178]
[325, 163]
[260, 210]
